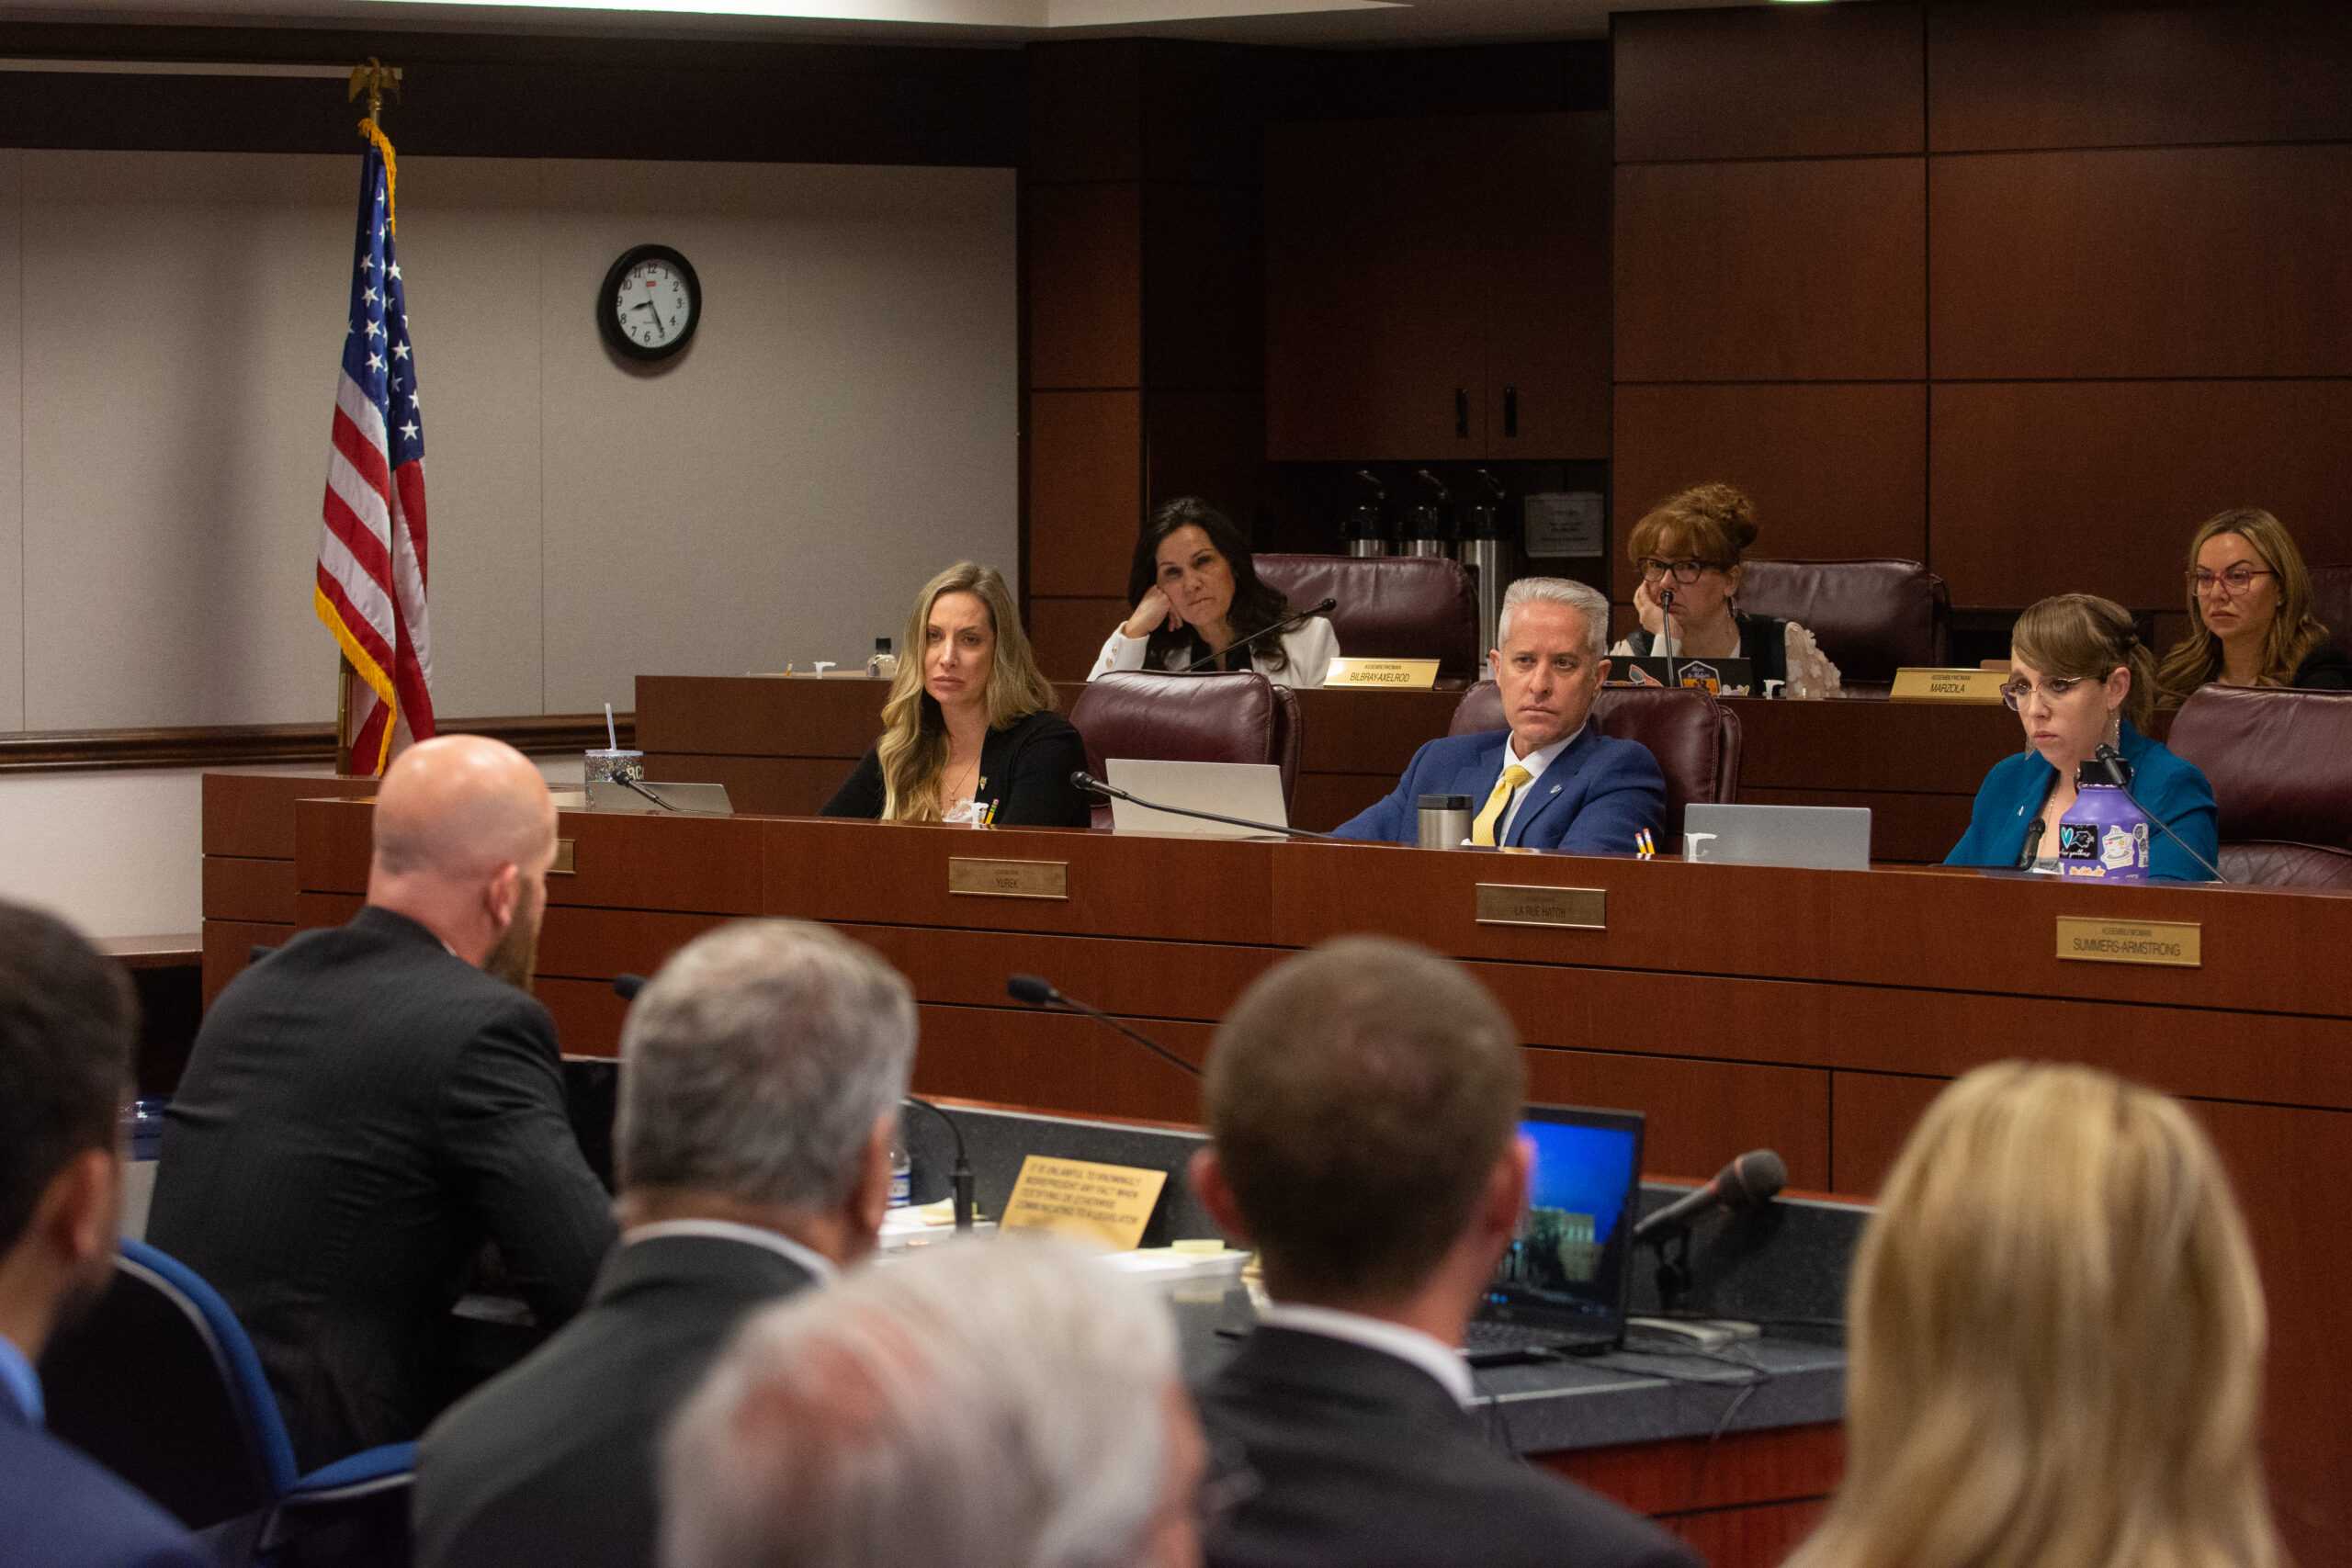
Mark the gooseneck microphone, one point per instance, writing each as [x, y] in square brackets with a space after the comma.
[2119, 773]
[960, 1182]
[625, 987]
[649, 795]
[1086, 781]
[1324, 608]
[1748, 1182]
[2032, 844]
[1038, 994]
[1665, 623]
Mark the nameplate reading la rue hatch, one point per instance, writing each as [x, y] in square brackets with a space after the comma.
[1008, 879]
[1397, 674]
[2175, 944]
[567, 858]
[1925, 685]
[1577, 908]
[1106, 1205]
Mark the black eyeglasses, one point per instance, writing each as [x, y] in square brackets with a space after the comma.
[2237, 579]
[1684, 571]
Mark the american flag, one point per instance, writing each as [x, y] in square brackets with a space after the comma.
[371, 550]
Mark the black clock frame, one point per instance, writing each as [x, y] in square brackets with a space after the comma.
[608, 320]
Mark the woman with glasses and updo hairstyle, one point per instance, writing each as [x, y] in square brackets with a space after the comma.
[2055, 1335]
[1692, 544]
[2250, 621]
[1197, 592]
[969, 733]
[2080, 677]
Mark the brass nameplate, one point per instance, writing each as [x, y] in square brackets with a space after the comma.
[1397, 674]
[1008, 879]
[567, 863]
[1579, 908]
[2177, 944]
[1924, 685]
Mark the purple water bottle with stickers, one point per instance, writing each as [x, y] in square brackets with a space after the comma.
[2102, 836]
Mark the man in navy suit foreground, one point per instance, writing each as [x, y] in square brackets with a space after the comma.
[1363, 1102]
[66, 1024]
[1551, 780]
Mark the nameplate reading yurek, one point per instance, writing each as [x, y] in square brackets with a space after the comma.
[1106, 1205]
[2177, 944]
[1008, 879]
[1397, 674]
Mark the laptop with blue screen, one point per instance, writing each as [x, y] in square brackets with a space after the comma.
[1562, 1287]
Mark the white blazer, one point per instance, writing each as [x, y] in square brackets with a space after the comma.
[1308, 650]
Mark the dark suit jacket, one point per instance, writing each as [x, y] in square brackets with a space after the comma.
[361, 1111]
[1024, 771]
[1592, 801]
[1364, 1459]
[554, 1462]
[59, 1509]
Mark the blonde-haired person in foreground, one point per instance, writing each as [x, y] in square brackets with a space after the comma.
[1012, 1403]
[2057, 1339]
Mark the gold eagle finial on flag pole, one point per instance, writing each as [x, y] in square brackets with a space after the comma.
[378, 78]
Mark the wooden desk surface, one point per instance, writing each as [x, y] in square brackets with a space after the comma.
[784, 746]
[1812, 1011]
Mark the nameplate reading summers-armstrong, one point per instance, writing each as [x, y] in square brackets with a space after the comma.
[1008, 879]
[1107, 1205]
[2177, 944]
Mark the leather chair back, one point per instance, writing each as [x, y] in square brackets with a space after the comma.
[1694, 737]
[1239, 716]
[1871, 617]
[1389, 606]
[2330, 602]
[2280, 764]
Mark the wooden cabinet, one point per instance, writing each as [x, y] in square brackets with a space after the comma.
[1438, 289]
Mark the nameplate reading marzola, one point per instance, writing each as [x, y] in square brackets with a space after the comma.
[1915, 684]
[1397, 674]
[1578, 908]
[2177, 944]
[1104, 1205]
[1008, 879]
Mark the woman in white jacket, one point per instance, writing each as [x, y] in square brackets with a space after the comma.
[1196, 593]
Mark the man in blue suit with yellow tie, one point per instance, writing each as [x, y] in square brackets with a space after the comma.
[1551, 780]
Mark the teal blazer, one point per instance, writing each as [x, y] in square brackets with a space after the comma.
[2167, 788]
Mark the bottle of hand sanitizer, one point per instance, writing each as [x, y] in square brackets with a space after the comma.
[884, 663]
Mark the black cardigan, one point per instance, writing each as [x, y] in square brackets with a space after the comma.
[2324, 670]
[1025, 772]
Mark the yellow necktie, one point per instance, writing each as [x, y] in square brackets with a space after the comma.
[1482, 831]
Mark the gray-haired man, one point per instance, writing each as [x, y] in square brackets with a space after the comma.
[760, 1073]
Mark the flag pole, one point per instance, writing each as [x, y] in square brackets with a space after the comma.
[374, 78]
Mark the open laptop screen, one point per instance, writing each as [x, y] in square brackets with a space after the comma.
[1568, 1268]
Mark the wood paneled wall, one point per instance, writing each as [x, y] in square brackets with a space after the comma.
[1145, 372]
[2024, 291]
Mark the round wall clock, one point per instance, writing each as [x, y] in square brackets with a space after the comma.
[650, 303]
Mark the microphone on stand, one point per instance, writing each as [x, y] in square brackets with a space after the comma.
[1086, 781]
[1748, 1182]
[1325, 607]
[2033, 843]
[625, 987]
[960, 1182]
[2119, 773]
[1666, 624]
[1038, 994]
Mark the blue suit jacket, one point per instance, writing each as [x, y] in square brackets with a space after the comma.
[2167, 788]
[59, 1509]
[1593, 800]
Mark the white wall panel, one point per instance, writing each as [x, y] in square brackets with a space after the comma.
[12, 449]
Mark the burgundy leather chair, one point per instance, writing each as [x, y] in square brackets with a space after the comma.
[1694, 737]
[1239, 716]
[1871, 617]
[2280, 764]
[2330, 602]
[1390, 606]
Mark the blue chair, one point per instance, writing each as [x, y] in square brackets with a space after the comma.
[160, 1384]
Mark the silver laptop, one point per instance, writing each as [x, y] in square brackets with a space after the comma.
[1250, 790]
[1822, 838]
[681, 799]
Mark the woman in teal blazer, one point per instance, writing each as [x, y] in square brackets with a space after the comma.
[2079, 675]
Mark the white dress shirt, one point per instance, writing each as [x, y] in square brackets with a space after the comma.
[1543, 758]
[820, 1267]
[1440, 1360]
[1307, 651]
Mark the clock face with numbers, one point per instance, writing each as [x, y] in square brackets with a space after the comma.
[650, 303]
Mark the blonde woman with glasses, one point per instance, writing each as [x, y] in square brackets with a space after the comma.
[2250, 621]
[2080, 677]
[2056, 1342]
